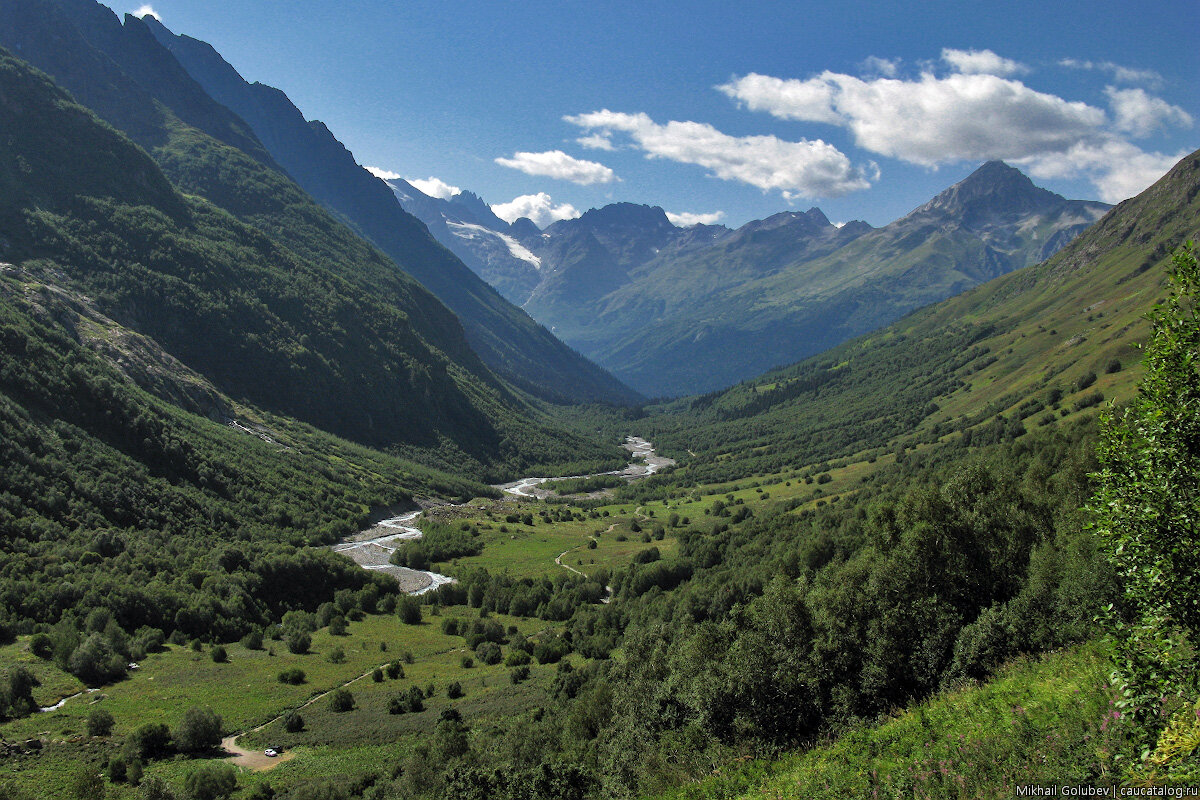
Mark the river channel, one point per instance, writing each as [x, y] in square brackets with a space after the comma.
[373, 547]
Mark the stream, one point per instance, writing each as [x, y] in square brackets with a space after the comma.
[372, 548]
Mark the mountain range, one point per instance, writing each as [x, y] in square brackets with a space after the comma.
[681, 310]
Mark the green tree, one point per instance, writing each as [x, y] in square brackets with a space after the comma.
[213, 781]
[341, 700]
[199, 730]
[1146, 508]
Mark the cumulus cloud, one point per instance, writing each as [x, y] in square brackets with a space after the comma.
[538, 207]
[686, 219]
[147, 11]
[930, 120]
[1120, 73]
[596, 141]
[1118, 169]
[1140, 114]
[976, 115]
[382, 174]
[981, 62]
[557, 164]
[796, 169]
[434, 187]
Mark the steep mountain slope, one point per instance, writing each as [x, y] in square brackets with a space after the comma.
[505, 337]
[85, 210]
[1025, 349]
[484, 242]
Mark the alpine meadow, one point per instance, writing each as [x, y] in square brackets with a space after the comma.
[324, 478]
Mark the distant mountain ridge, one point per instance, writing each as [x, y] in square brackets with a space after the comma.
[682, 310]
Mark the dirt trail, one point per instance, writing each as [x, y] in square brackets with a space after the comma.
[256, 760]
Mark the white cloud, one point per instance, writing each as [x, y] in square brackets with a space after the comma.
[382, 174]
[147, 11]
[884, 67]
[1140, 114]
[1120, 74]
[434, 187]
[557, 164]
[981, 62]
[597, 141]
[537, 207]
[929, 120]
[686, 219]
[796, 169]
[1118, 169]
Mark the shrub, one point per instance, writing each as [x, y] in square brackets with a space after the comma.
[467, 662]
[292, 675]
[293, 722]
[219, 655]
[41, 645]
[488, 653]
[454, 690]
[151, 740]
[395, 670]
[408, 608]
[377, 675]
[298, 642]
[212, 781]
[253, 640]
[516, 658]
[340, 700]
[99, 722]
[518, 674]
[199, 730]
[336, 656]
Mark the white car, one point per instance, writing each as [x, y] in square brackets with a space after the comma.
[270, 752]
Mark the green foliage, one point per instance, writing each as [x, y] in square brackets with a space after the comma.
[99, 722]
[341, 700]
[408, 608]
[199, 730]
[293, 722]
[1146, 511]
[292, 675]
[212, 781]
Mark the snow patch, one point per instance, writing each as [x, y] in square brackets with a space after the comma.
[465, 230]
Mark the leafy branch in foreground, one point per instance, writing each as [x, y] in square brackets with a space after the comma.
[1147, 514]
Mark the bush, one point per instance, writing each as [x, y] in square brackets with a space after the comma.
[336, 656]
[408, 608]
[340, 700]
[413, 700]
[219, 655]
[454, 690]
[337, 626]
[41, 645]
[488, 653]
[152, 740]
[293, 722]
[212, 781]
[293, 675]
[377, 675]
[253, 640]
[199, 730]
[99, 722]
[516, 658]
[395, 670]
[1085, 381]
[298, 642]
[519, 674]
[467, 662]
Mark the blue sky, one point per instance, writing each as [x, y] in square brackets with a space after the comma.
[733, 112]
